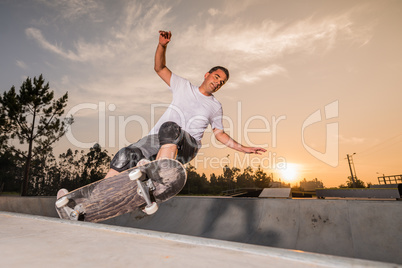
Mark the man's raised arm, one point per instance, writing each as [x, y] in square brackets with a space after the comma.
[160, 57]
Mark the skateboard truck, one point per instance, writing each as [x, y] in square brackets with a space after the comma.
[143, 190]
[73, 214]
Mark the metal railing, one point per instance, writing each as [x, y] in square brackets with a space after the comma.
[393, 179]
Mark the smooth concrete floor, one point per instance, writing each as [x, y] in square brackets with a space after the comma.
[36, 241]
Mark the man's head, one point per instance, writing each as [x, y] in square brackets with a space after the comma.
[220, 68]
[214, 79]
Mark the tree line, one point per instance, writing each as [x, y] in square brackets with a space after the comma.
[231, 178]
[30, 123]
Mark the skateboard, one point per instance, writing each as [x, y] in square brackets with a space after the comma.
[141, 187]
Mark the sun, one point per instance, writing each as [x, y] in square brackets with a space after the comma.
[289, 173]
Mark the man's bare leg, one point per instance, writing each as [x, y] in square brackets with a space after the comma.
[167, 151]
[111, 173]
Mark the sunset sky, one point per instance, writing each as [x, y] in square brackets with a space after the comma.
[310, 81]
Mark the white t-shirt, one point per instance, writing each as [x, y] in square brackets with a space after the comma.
[190, 109]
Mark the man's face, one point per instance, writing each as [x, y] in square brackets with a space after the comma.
[215, 80]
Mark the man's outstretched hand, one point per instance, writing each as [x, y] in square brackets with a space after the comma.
[253, 150]
[164, 38]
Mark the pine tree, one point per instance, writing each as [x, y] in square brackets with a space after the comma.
[34, 118]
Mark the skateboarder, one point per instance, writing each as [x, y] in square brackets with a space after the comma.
[179, 131]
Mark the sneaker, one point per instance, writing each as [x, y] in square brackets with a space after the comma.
[61, 192]
[143, 161]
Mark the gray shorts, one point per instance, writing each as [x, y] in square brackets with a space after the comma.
[148, 147]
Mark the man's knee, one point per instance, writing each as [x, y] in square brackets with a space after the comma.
[126, 158]
[169, 133]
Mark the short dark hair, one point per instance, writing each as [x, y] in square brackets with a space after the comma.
[222, 69]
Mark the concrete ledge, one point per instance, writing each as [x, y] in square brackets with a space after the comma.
[43, 206]
[349, 228]
[276, 193]
[380, 193]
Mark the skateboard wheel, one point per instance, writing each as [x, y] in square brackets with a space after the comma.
[135, 174]
[151, 209]
[62, 202]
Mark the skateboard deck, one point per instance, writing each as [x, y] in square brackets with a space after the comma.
[141, 187]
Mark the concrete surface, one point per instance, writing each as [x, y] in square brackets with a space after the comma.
[34, 241]
[350, 228]
[359, 229]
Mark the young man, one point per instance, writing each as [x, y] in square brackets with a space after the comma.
[179, 131]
